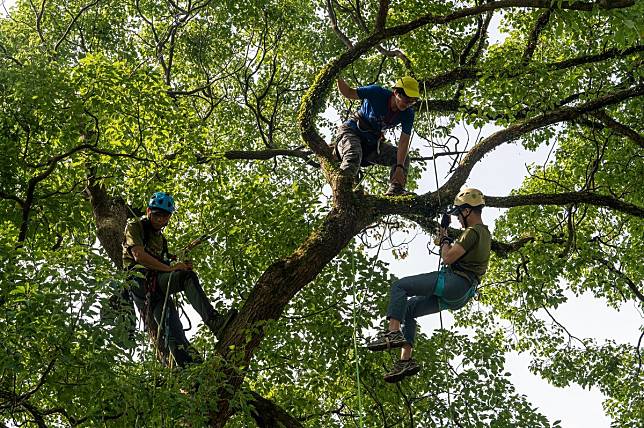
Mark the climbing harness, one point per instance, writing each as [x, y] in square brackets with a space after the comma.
[443, 302]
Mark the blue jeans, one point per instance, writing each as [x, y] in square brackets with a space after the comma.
[421, 288]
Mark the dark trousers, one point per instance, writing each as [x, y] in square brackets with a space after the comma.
[171, 338]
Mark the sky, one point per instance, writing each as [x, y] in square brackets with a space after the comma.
[585, 316]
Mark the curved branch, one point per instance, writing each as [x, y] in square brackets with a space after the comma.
[469, 73]
[539, 26]
[276, 287]
[503, 249]
[505, 4]
[619, 128]
[565, 198]
[522, 127]
[73, 21]
[312, 100]
[335, 27]
[29, 200]
[636, 291]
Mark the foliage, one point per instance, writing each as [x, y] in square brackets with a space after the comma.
[209, 101]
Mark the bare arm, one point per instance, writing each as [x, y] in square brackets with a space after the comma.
[451, 253]
[403, 148]
[143, 258]
[347, 91]
[400, 175]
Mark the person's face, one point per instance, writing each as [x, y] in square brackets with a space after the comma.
[158, 219]
[462, 213]
[403, 102]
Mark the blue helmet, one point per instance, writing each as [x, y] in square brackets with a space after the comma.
[162, 201]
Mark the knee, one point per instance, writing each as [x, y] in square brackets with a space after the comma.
[192, 276]
[187, 277]
[396, 287]
[411, 308]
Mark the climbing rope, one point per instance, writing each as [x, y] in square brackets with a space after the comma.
[440, 257]
[355, 323]
[163, 321]
[355, 343]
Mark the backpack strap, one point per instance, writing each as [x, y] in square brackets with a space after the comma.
[147, 233]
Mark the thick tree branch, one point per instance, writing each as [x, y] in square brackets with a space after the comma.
[383, 9]
[110, 215]
[268, 415]
[522, 127]
[312, 101]
[278, 285]
[503, 249]
[469, 73]
[504, 4]
[563, 199]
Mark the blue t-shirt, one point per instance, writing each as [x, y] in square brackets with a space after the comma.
[375, 109]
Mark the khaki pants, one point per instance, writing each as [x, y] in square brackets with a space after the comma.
[352, 152]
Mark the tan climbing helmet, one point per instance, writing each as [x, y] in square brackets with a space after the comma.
[467, 198]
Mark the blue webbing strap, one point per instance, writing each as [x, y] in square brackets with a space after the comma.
[440, 283]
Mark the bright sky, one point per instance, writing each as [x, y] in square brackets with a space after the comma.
[6, 5]
[584, 316]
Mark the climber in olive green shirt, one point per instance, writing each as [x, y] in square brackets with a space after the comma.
[465, 263]
[145, 250]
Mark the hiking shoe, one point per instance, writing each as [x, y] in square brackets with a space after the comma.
[396, 189]
[402, 369]
[387, 340]
[217, 323]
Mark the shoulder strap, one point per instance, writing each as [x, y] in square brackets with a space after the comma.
[147, 232]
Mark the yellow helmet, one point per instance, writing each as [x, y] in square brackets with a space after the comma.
[467, 198]
[409, 85]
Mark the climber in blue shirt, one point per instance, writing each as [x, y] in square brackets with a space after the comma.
[360, 140]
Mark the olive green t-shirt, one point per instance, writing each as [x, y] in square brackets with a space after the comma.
[134, 236]
[477, 242]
